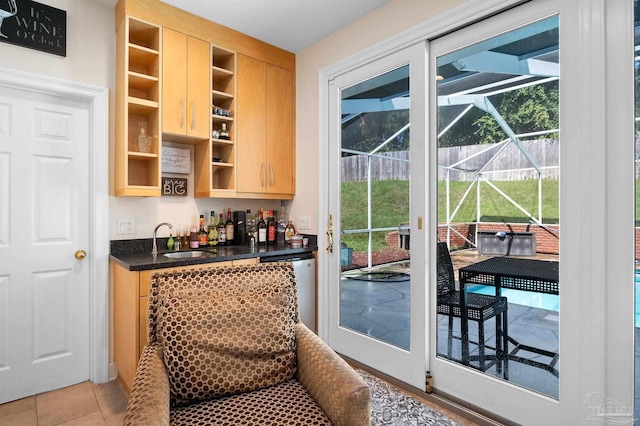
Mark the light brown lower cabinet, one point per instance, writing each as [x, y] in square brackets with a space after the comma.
[130, 296]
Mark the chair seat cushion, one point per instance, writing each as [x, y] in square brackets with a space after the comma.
[229, 339]
[284, 404]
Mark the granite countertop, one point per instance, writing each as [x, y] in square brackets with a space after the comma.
[134, 255]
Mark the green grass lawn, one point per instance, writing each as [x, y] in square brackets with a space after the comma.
[390, 205]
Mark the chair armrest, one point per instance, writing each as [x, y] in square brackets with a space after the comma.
[149, 399]
[332, 383]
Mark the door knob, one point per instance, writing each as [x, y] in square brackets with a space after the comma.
[81, 254]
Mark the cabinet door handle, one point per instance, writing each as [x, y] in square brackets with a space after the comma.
[272, 176]
[263, 174]
[181, 112]
[193, 115]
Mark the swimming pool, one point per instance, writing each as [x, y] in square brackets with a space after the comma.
[637, 297]
[544, 301]
[550, 302]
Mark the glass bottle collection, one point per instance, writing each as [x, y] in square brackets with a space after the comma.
[267, 227]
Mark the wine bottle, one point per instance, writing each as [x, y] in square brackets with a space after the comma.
[262, 230]
[203, 238]
[213, 229]
[271, 229]
[230, 229]
[222, 232]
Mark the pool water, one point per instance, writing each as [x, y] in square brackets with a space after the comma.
[545, 301]
[638, 298]
[550, 302]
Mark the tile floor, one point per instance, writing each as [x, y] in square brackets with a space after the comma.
[84, 404]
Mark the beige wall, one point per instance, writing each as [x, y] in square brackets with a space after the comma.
[392, 19]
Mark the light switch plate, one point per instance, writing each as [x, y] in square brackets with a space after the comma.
[305, 223]
[126, 226]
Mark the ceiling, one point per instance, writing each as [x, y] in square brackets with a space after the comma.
[292, 25]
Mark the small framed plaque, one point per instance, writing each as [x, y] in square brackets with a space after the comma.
[176, 160]
[174, 186]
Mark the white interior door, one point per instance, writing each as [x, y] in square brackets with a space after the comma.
[378, 322]
[44, 222]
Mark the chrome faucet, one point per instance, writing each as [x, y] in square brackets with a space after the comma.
[155, 246]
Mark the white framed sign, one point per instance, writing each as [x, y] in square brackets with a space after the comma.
[176, 160]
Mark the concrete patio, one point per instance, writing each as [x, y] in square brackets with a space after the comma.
[377, 304]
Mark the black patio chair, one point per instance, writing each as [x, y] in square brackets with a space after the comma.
[480, 308]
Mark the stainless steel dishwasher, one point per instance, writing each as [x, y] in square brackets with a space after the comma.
[305, 269]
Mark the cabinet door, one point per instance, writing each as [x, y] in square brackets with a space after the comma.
[280, 124]
[251, 128]
[174, 81]
[198, 93]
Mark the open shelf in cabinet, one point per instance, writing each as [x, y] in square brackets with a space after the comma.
[137, 103]
[219, 155]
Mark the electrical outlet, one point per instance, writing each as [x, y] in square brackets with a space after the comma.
[305, 223]
[126, 226]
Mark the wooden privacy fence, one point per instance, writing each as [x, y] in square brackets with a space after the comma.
[384, 166]
[511, 164]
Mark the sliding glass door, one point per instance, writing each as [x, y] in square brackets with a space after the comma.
[376, 199]
[498, 143]
[521, 149]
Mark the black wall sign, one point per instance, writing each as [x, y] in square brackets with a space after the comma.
[33, 25]
[174, 186]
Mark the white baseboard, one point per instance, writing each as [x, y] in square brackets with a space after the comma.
[113, 371]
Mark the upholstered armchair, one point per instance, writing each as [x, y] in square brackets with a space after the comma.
[226, 348]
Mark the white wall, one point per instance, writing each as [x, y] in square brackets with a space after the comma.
[91, 59]
[383, 23]
[90, 46]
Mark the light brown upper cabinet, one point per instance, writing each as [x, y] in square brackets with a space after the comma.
[265, 142]
[137, 141]
[186, 108]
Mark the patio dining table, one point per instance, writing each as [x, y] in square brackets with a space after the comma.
[540, 276]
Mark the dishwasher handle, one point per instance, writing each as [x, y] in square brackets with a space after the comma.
[286, 258]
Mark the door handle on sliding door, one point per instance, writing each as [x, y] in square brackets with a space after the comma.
[330, 235]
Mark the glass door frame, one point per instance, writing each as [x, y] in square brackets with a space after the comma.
[406, 365]
[597, 210]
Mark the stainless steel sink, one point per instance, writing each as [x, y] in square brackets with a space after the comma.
[188, 254]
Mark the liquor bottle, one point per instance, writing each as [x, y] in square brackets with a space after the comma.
[224, 133]
[230, 229]
[251, 230]
[203, 238]
[289, 232]
[282, 223]
[271, 229]
[193, 237]
[213, 229]
[222, 232]
[262, 230]
[184, 242]
[178, 240]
